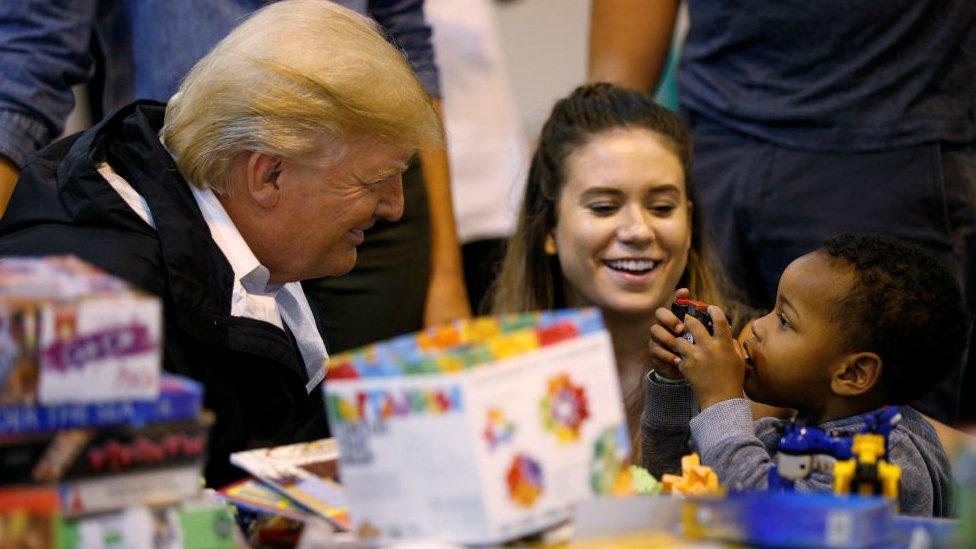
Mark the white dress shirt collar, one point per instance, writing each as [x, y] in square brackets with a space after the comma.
[252, 296]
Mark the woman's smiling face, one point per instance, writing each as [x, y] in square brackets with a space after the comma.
[623, 228]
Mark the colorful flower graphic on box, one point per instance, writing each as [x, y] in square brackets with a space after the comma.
[609, 474]
[564, 408]
[499, 429]
[524, 480]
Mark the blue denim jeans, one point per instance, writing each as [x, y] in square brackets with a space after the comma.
[136, 49]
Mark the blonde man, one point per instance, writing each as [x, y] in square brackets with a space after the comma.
[283, 145]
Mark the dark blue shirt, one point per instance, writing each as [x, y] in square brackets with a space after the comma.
[149, 46]
[834, 75]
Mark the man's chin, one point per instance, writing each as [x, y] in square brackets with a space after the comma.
[343, 266]
[330, 269]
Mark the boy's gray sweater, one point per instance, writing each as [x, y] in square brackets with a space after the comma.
[740, 450]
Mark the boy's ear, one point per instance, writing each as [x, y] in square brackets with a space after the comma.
[857, 375]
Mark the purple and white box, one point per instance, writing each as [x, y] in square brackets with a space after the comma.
[72, 333]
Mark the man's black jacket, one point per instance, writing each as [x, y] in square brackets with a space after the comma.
[252, 371]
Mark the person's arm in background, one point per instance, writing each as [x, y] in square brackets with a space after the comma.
[952, 439]
[44, 48]
[630, 41]
[9, 173]
[447, 297]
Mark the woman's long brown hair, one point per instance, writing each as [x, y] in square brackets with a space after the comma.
[530, 279]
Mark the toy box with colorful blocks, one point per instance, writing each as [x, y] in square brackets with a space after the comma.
[481, 431]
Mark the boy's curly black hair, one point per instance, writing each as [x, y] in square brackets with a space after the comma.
[906, 307]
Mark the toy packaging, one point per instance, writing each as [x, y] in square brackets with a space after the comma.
[154, 487]
[29, 516]
[199, 524]
[304, 473]
[72, 333]
[180, 398]
[87, 453]
[790, 519]
[255, 496]
[481, 431]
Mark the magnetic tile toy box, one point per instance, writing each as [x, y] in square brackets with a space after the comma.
[481, 431]
[72, 333]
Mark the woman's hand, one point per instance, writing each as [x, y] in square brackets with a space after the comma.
[666, 328]
[715, 366]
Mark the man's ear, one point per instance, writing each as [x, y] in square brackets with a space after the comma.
[858, 374]
[262, 178]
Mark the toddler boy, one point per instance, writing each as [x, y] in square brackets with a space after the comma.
[863, 322]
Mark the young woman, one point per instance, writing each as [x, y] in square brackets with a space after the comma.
[609, 221]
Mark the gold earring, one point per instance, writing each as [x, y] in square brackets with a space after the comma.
[550, 245]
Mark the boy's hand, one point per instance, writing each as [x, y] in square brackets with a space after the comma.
[714, 365]
[663, 332]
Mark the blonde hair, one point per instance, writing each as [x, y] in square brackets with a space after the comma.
[298, 78]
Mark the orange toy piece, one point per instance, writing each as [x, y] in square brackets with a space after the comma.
[696, 479]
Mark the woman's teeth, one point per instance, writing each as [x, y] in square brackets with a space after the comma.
[633, 266]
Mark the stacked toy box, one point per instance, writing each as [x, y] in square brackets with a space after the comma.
[86, 415]
[481, 431]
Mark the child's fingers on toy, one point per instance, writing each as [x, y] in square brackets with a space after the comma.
[668, 319]
[685, 348]
[662, 356]
[662, 337]
[720, 323]
[697, 329]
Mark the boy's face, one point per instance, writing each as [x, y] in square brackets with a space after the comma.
[796, 347]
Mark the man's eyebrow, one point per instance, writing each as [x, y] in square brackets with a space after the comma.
[386, 173]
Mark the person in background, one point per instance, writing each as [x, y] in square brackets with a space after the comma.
[487, 150]
[813, 118]
[609, 220]
[410, 273]
[282, 147]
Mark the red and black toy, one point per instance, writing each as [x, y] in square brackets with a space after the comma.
[683, 306]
